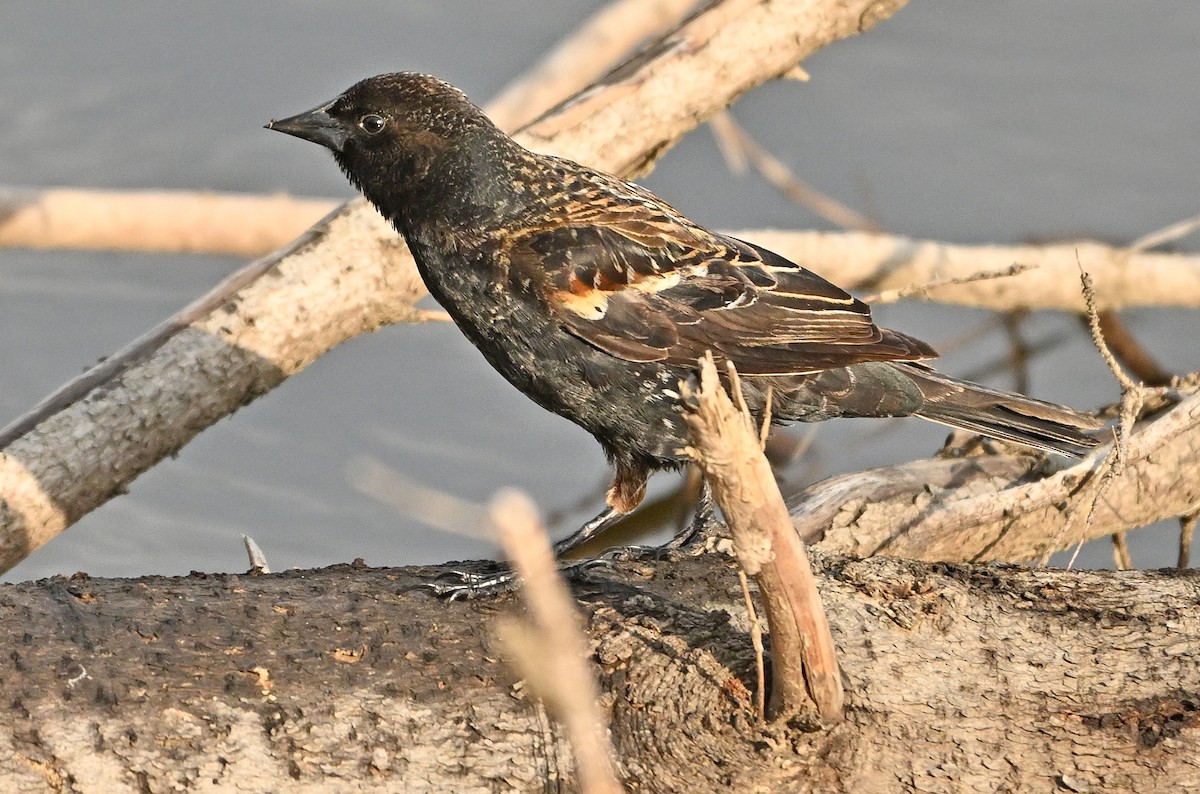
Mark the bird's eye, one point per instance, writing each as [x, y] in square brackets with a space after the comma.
[372, 124]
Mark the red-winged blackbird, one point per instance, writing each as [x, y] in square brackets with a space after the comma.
[595, 298]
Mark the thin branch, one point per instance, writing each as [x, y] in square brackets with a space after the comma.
[1187, 527]
[878, 263]
[741, 147]
[433, 507]
[1168, 234]
[756, 639]
[926, 288]
[1122, 559]
[550, 649]
[1130, 352]
[1020, 352]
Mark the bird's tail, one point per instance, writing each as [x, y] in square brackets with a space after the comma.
[1002, 415]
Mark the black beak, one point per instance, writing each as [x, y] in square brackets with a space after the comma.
[316, 125]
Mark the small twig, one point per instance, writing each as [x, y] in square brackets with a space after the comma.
[735, 388]
[1131, 352]
[1020, 352]
[728, 143]
[258, 560]
[1097, 329]
[764, 429]
[924, 288]
[1187, 527]
[756, 639]
[797, 73]
[740, 147]
[430, 506]
[1168, 234]
[1133, 397]
[433, 316]
[549, 649]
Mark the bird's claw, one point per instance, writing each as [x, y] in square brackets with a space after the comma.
[466, 584]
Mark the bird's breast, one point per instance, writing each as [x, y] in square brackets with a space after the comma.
[629, 407]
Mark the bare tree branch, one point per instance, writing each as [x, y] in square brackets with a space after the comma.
[1036, 276]
[1001, 508]
[881, 262]
[168, 221]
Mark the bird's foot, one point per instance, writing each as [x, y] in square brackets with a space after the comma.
[455, 585]
[699, 537]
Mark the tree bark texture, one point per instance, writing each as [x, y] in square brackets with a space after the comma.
[1007, 508]
[958, 678]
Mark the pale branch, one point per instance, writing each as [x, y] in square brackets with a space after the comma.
[739, 147]
[805, 682]
[1044, 276]
[584, 57]
[958, 678]
[878, 263]
[548, 646]
[351, 273]
[165, 221]
[1005, 508]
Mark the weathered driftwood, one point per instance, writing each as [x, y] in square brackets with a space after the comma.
[957, 679]
[1006, 508]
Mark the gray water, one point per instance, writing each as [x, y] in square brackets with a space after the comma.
[966, 122]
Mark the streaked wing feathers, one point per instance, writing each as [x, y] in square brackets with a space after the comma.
[635, 279]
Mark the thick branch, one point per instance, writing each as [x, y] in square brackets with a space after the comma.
[168, 221]
[344, 679]
[352, 274]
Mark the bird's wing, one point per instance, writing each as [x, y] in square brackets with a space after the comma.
[638, 281]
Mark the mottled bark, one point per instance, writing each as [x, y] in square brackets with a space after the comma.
[957, 678]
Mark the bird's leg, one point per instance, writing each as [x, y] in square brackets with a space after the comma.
[688, 540]
[702, 520]
[627, 491]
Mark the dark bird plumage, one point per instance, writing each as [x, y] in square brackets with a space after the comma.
[595, 298]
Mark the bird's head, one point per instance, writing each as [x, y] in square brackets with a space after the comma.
[394, 133]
